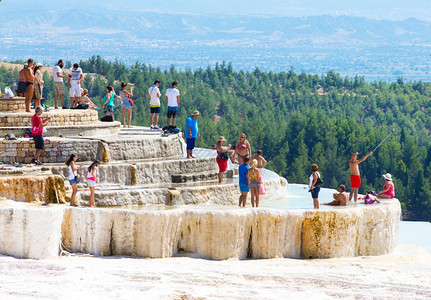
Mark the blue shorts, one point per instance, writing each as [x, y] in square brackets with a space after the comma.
[73, 181]
[155, 110]
[315, 192]
[243, 187]
[126, 105]
[190, 143]
[172, 111]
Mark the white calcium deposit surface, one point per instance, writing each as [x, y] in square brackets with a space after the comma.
[404, 274]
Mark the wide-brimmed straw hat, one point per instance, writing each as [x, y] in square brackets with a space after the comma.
[388, 176]
[221, 139]
[196, 113]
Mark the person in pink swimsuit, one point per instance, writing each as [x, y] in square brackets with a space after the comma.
[388, 189]
[242, 148]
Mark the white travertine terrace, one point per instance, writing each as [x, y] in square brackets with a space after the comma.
[35, 232]
[138, 169]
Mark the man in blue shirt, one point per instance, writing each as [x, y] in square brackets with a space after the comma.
[192, 132]
[243, 181]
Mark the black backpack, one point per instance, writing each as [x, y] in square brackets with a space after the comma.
[107, 118]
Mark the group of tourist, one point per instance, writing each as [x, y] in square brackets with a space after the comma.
[31, 83]
[250, 178]
[341, 198]
[249, 170]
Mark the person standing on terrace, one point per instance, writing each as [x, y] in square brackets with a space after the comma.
[243, 182]
[253, 176]
[73, 177]
[92, 180]
[59, 84]
[192, 132]
[154, 95]
[38, 85]
[173, 100]
[29, 78]
[313, 187]
[223, 153]
[75, 80]
[126, 105]
[22, 83]
[242, 148]
[355, 177]
[37, 131]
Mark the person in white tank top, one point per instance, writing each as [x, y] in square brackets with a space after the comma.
[73, 177]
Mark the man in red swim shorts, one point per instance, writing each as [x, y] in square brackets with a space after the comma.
[355, 177]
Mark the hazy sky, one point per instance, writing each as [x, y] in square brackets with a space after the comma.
[376, 9]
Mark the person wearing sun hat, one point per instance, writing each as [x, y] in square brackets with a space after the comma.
[223, 153]
[192, 132]
[388, 189]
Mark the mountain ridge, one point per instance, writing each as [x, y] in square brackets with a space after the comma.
[313, 44]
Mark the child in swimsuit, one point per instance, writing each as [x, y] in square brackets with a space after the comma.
[261, 162]
[370, 198]
[253, 176]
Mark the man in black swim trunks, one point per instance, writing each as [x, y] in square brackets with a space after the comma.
[29, 79]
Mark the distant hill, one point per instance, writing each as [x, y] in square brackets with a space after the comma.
[349, 45]
[10, 66]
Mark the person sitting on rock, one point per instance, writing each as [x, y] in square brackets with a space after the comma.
[85, 102]
[341, 198]
[388, 189]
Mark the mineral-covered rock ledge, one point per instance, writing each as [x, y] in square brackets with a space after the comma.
[105, 149]
[214, 234]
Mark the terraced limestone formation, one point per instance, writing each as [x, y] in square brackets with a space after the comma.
[152, 202]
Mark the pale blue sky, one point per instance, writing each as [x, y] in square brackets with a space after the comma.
[376, 9]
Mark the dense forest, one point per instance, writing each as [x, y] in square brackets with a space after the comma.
[296, 119]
